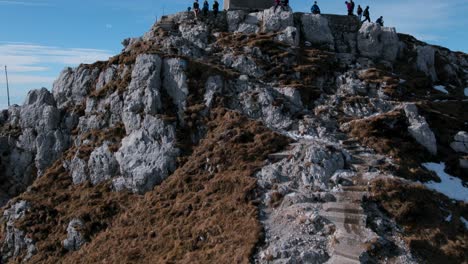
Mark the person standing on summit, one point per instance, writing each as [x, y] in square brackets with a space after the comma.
[359, 12]
[215, 8]
[206, 7]
[348, 7]
[315, 9]
[196, 8]
[352, 7]
[278, 3]
[366, 15]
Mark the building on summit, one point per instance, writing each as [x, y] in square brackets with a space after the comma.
[247, 4]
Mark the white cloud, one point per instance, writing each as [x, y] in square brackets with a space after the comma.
[21, 57]
[23, 3]
[34, 66]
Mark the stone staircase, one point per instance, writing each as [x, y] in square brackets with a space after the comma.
[166, 23]
[352, 236]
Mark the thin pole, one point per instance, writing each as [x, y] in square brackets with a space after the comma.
[7, 88]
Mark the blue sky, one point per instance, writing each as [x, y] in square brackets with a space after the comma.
[38, 38]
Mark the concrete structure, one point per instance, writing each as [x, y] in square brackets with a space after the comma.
[247, 4]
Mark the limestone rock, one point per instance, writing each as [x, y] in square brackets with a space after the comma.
[234, 18]
[102, 164]
[316, 30]
[461, 142]
[74, 239]
[73, 85]
[276, 21]
[175, 83]
[16, 243]
[426, 61]
[289, 36]
[419, 129]
[378, 42]
[147, 156]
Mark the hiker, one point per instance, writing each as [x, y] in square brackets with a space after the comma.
[380, 21]
[196, 8]
[366, 15]
[315, 9]
[278, 3]
[359, 12]
[189, 9]
[348, 6]
[285, 3]
[352, 7]
[206, 7]
[215, 8]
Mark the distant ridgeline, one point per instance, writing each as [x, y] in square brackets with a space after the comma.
[247, 4]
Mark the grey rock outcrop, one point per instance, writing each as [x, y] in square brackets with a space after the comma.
[102, 164]
[419, 129]
[460, 143]
[426, 60]
[378, 42]
[317, 31]
[147, 156]
[276, 21]
[73, 85]
[16, 243]
[74, 239]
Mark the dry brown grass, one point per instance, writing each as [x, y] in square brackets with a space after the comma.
[388, 134]
[446, 119]
[422, 214]
[203, 213]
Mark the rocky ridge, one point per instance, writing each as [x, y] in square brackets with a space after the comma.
[144, 132]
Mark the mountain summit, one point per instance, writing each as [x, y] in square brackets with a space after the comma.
[266, 137]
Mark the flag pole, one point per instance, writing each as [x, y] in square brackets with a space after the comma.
[8, 88]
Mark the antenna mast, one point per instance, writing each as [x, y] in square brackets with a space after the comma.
[8, 88]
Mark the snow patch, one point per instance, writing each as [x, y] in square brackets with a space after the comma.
[466, 91]
[449, 218]
[450, 186]
[297, 136]
[441, 88]
[464, 221]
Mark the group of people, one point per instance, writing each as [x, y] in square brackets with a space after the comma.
[284, 4]
[205, 8]
[350, 7]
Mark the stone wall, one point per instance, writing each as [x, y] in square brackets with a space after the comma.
[247, 4]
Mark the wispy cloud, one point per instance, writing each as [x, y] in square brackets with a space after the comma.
[24, 3]
[37, 58]
[34, 66]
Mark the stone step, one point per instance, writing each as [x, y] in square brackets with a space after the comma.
[349, 196]
[344, 218]
[350, 248]
[355, 188]
[352, 208]
[275, 157]
[338, 259]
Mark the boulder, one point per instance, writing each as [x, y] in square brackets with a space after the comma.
[378, 42]
[425, 61]
[175, 83]
[74, 239]
[146, 156]
[289, 36]
[419, 129]
[461, 142]
[102, 164]
[234, 18]
[276, 21]
[315, 29]
[73, 85]
[15, 242]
